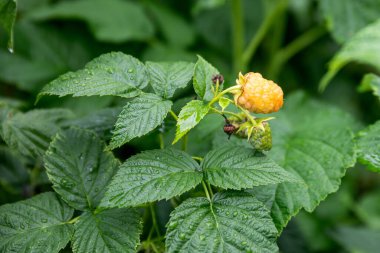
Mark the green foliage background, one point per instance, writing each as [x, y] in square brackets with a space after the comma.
[306, 46]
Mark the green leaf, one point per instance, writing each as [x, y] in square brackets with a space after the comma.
[7, 19]
[30, 133]
[38, 224]
[111, 21]
[224, 103]
[139, 117]
[358, 239]
[368, 209]
[167, 77]
[363, 48]
[158, 51]
[313, 141]
[152, 175]
[202, 5]
[369, 146]
[43, 53]
[346, 17]
[12, 168]
[110, 231]
[79, 168]
[191, 114]
[114, 74]
[370, 82]
[238, 168]
[177, 32]
[232, 222]
[101, 121]
[202, 80]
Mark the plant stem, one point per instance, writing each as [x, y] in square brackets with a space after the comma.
[184, 142]
[173, 115]
[206, 190]
[249, 116]
[210, 189]
[154, 247]
[217, 97]
[197, 158]
[73, 220]
[161, 139]
[261, 32]
[154, 220]
[237, 34]
[227, 112]
[293, 48]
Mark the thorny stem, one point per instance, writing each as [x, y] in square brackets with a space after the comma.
[262, 31]
[206, 190]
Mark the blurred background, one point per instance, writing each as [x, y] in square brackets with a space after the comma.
[288, 41]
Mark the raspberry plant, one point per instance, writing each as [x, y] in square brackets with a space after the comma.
[221, 164]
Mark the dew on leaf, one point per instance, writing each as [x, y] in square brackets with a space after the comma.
[173, 224]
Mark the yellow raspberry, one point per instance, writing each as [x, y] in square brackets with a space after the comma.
[258, 94]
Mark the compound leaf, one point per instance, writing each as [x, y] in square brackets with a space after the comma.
[237, 168]
[152, 175]
[113, 73]
[139, 117]
[231, 222]
[38, 224]
[79, 168]
[110, 231]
